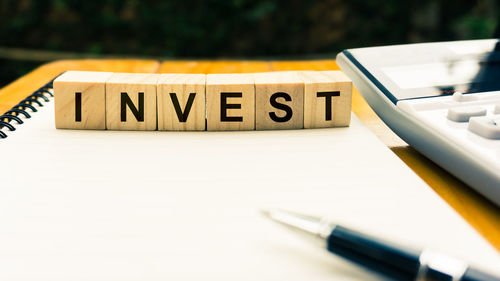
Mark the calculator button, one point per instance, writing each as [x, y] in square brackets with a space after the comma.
[460, 97]
[486, 126]
[497, 109]
[462, 114]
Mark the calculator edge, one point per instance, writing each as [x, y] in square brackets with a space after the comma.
[422, 138]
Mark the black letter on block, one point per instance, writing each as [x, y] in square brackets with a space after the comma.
[78, 107]
[284, 107]
[224, 106]
[125, 100]
[328, 102]
[183, 116]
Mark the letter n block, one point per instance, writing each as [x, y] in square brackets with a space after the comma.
[131, 101]
[230, 102]
[80, 100]
[181, 102]
[279, 98]
[327, 100]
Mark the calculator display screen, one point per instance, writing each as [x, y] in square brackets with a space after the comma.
[433, 69]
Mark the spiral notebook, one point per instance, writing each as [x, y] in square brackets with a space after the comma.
[117, 205]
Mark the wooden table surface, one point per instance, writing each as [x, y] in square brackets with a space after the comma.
[480, 213]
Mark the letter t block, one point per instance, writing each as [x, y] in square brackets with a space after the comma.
[327, 99]
[80, 100]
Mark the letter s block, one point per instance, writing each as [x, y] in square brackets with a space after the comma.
[79, 99]
[230, 102]
[327, 100]
[279, 98]
[131, 101]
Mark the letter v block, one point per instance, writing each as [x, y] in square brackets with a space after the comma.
[327, 100]
[80, 100]
[131, 101]
[230, 102]
[181, 102]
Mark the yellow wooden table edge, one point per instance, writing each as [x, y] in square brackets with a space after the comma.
[476, 210]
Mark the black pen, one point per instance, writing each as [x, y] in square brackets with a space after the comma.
[379, 256]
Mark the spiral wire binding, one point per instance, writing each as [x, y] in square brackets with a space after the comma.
[31, 102]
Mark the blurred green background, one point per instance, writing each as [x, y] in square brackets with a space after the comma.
[33, 32]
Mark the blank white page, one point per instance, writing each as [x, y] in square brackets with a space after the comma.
[110, 205]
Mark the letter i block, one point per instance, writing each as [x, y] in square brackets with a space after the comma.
[131, 101]
[327, 100]
[181, 102]
[230, 102]
[279, 100]
[80, 100]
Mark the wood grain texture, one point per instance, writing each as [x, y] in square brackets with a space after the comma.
[327, 99]
[475, 209]
[80, 100]
[279, 100]
[139, 113]
[212, 67]
[230, 102]
[184, 95]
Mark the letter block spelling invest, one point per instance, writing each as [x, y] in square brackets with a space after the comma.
[326, 104]
[230, 102]
[279, 101]
[195, 102]
[181, 102]
[131, 101]
[80, 100]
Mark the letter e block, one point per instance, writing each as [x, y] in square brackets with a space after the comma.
[181, 102]
[80, 101]
[230, 102]
[327, 100]
[131, 101]
[279, 98]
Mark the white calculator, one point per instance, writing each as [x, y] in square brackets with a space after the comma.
[441, 98]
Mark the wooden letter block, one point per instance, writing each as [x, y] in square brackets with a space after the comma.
[80, 100]
[327, 100]
[230, 102]
[131, 101]
[181, 102]
[279, 100]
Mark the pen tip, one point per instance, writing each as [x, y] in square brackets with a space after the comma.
[303, 223]
[265, 212]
